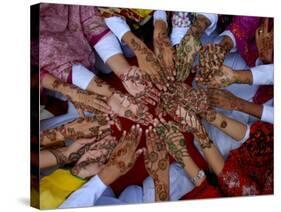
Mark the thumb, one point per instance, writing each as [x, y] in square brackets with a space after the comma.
[138, 153]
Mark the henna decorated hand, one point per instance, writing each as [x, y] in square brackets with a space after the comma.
[211, 60]
[82, 100]
[173, 138]
[123, 156]
[165, 53]
[156, 162]
[186, 53]
[127, 107]
[189, 47]
[198, 131]
[137, 86]
[225, 77]
[148, 62]
[264, 42]
[223, 99]
[93, 157]
[73, 152]
[87, 127]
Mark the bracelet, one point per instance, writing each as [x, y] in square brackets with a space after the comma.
[199, 176]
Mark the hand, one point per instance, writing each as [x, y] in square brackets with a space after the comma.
[123, 156]
[186, 53]
[165, 52]
[82, 100]
[92, 159]
[73, 152]
[174, 140]
[264, 42]
[127, 107]
[88, 127]
[223, 99]
[147, 61]
[189, 47]
[211, 59]
[156, 162]
[198, 130]
[225, 77]
[139, 87]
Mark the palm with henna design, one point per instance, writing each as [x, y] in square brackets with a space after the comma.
[92, 159]
[137, 86]
[127, 107]
[173, 138]
[156, 162]
[123, 156]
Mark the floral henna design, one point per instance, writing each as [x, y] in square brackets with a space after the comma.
[157, 164]
[138, 86]
[148, 63]
[173, 138]
[165, 53]
[60, 157]
[81, 99]
[93, 158]
[88, 127]
[127, 107]
[211, 59]
[124, 155]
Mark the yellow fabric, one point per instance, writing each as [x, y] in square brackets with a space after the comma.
[55, 188]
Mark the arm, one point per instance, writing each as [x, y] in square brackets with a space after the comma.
[120, 162]
[229, 126]
[226, 100]
[175, 145]
[156, 162]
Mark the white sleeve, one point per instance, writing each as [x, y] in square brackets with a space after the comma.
[268, 114]
[160, 15]
[229, 34]
[263, 74]
[177, 34]
[118, 26]
[81, 76]
[108, 46]
[180, 26]
[213, 18]
[87, 195]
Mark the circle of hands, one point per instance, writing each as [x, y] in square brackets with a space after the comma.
[157, 83]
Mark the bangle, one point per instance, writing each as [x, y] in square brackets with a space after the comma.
[199, 176]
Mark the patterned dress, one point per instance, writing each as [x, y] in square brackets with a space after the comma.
[67, 34]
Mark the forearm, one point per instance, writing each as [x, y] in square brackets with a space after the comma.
[243, 77]
[192, 169]
[212, 155]
[162, 189]
[229, 126]
[250, 108]
[100, 87]
[132, 41]
[46, 159]
[159, 27]
[118, 64]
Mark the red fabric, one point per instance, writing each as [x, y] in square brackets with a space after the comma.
[263, 94]
[204, 191]
[249, 169]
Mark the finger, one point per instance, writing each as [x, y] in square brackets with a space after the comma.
[266, 25]
[138, 153]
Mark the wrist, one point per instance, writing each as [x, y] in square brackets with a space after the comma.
[226, 43]
[107, 176]
[243, 77]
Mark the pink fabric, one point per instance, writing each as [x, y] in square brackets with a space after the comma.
[244, 28]
[65, 35]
